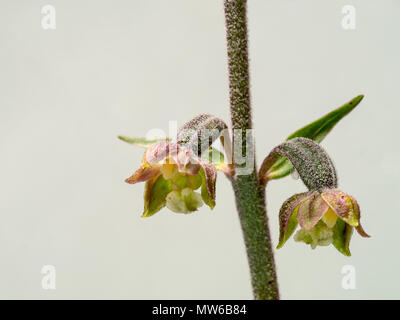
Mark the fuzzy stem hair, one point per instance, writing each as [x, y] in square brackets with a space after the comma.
[249, 194]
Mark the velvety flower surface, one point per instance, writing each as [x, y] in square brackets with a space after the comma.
[172, 174]
[325, 216]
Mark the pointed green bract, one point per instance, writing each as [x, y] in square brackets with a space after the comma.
[141, 142]
[317, 131]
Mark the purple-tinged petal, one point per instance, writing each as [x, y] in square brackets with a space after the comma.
[311, 211]
[187, 162]
[143, 174]
[158, 153]
[342, 204]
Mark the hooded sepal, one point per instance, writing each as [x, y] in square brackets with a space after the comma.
[199, 133]
[310, 160]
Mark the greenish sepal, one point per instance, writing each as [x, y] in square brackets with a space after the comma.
[286, 233]
[156, 191]
[341, 237]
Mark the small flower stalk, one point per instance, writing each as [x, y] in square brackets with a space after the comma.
[325, 214]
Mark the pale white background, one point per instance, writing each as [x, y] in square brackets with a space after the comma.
[124, 67]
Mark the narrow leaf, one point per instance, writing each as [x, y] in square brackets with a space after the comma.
[316, 131]
[141, 142]
[319, 129]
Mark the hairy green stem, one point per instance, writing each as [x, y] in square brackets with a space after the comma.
[249, 194]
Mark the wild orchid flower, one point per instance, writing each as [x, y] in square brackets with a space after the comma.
[172, 174]
[325, 214]
[175, 170]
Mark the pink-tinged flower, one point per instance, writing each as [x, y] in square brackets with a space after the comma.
[172, 174]
[325, 216]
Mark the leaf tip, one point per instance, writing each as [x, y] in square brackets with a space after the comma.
[123, 138]
[358, 99]
[146, 214]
